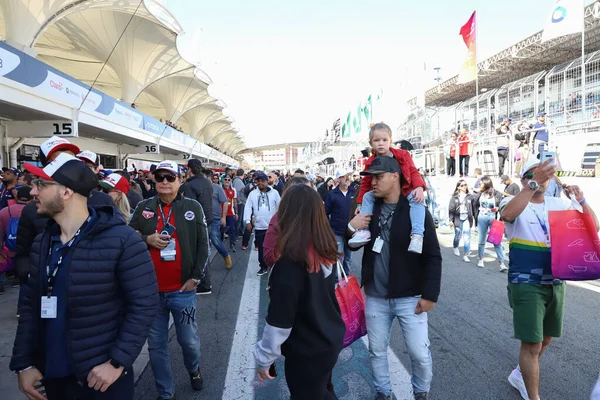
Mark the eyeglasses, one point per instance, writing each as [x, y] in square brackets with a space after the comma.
[528, 175]
[39, 183]
[161, 178]
[227, 180]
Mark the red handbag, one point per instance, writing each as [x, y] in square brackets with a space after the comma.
[352, 306]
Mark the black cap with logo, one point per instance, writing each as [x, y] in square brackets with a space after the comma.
[381, 165]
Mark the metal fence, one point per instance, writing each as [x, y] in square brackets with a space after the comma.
[558, 92]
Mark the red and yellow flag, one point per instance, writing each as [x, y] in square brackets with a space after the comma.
[469, 34]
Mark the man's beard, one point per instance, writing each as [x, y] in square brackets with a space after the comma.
[52, 207]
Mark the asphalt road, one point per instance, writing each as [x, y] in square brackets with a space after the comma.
[470, 332]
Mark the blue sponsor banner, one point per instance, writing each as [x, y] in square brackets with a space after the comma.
[24, 69]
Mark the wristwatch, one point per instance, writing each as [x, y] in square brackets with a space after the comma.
[197, 281]
[533, 186]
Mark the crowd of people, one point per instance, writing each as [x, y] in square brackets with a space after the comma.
[104, 258]
[529, 139]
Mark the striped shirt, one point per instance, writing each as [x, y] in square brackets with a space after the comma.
[530, 250]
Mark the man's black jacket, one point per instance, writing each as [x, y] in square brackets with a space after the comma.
[200, 189]
[411, 274]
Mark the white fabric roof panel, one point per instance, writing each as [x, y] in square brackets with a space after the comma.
[177, 93]
[209, 132]
[145, 67]
[202, 115]
[145, 53]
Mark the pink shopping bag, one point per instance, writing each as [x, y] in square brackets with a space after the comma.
[496, 232]
[352, 306]
[575, 246]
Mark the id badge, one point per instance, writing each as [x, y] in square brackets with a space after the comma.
[169, 253]
[49, 306]
[378, 245]
[548, 241]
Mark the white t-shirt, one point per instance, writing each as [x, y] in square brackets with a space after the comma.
[530, 257]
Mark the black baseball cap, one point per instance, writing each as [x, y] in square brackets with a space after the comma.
[24, 193]
[69, 171]
[381, 165]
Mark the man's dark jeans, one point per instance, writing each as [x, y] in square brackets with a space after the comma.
[260, 239]
[69, 389]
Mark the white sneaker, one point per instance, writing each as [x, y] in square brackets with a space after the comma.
[503, 268]
[416, 244]
[456, 252]
[516, 380]
[360, 238]
[480, 264]
[466, 259]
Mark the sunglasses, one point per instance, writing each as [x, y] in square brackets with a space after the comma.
[227, 180]
[39, 183]
[161, 178]
[528, 175]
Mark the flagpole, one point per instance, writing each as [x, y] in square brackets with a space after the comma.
[583, 68]
[476, 73]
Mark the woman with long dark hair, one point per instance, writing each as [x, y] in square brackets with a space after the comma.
[325, 188]
[460, 211]
[303, 322]
[485, 209]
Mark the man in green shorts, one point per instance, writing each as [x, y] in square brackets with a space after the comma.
[536, 297]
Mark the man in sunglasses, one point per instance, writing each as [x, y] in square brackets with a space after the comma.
[536, 297]
[174, 228]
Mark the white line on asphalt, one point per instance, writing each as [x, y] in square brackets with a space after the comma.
[241, 369]
[399, 376]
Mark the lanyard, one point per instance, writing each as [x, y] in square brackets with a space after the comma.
[51, 272]
[541, 220]
[166, 222]
[384, 223]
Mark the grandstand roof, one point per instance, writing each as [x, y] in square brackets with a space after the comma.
[523, 59]
[145, 67]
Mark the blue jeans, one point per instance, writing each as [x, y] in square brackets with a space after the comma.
[417, 211]
[231, 230]
[241, 227]
[215, 238]
[463, 230]
[346, 258]
[183, 308]
[483, 226]
[380, 314]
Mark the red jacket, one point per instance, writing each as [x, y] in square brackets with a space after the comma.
[412, 177]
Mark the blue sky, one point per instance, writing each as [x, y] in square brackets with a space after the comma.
[287, 69]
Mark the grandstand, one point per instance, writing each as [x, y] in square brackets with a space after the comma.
[521, 80]
[116, 65]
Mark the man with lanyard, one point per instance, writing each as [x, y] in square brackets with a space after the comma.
[8, 196]
[262, 203]
[174, 229]
[536, 297]
[398, 284]
[91, 296]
